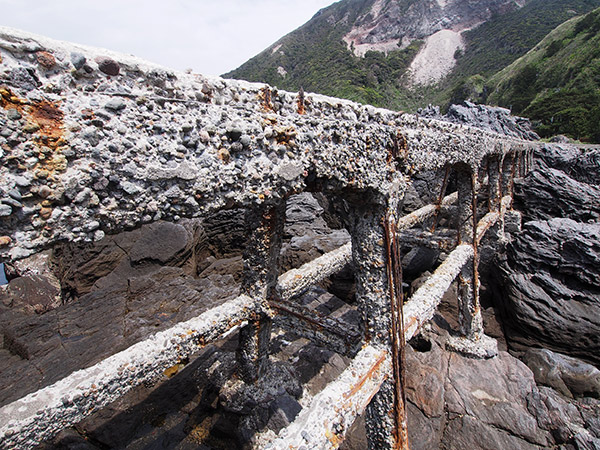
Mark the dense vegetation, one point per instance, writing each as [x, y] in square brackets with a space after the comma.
[557, 84]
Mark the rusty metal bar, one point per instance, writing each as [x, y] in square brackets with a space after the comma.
[324, 421]
[261, 267]
[441, 239]
[41, 415]
[438, 204]
[422, 305]
[424, 213]
[296, 281]
[394, 273]
[494, 186]
[333, 333]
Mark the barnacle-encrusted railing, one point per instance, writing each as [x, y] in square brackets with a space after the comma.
[94, 142]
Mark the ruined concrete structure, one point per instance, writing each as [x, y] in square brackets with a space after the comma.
[93, 143]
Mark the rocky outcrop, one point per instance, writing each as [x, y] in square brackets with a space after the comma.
[548, 192]
[569, 376]
[491, 118]
[551, 289]
[455, 402]
[547, 285]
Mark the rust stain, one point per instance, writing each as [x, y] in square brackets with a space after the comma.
[48, 121]
[285, 135]
[265, 98]
[301, 106]
[399, 148]
[371, 373]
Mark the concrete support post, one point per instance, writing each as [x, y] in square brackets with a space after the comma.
[386, 426]
[508, 174]
[472, 340]
[494, 187]
[261, 268]
[469, 313]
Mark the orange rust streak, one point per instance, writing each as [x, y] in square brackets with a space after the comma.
[47, 115]
[358, 386]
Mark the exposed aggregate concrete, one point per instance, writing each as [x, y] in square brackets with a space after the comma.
[99, 142]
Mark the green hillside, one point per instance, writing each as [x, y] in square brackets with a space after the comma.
[316, 59]
[497, 43]
[557, 84]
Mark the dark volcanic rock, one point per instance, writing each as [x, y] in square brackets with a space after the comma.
[490, 118]
[569, 376]
[581, 164]
[550, 289]
[548, 192]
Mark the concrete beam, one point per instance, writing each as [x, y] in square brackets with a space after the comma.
[41, 415]
[324, 421]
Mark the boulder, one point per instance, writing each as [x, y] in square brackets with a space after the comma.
[569, 376]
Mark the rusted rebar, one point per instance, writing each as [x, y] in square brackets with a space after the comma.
[394, 273]
[438, 203]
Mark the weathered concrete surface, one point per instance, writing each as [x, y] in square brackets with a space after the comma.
[101, 142]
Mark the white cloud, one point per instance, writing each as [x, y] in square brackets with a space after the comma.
[209, 36]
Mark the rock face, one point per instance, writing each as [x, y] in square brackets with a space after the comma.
[457, 403]
[548, 282]
[388, 21]
[569, 376]
[115, 293]
[492, 118]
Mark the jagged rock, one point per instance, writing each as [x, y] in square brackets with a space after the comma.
[580, 164]
[569, 376]
[547, 193]
[549, 290]
[492, 118]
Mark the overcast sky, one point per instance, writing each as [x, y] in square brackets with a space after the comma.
[209, 36]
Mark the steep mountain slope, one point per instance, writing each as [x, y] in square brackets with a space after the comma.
[398, 53]
[558, 82]
[362, 49]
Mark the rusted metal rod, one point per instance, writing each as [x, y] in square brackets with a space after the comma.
[424, 213]
[394, 273]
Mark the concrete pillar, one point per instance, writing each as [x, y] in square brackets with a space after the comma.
[508, 174]
[469, 313]
[494, 186]
[471, 340]
[261, 268]
[386, 424]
